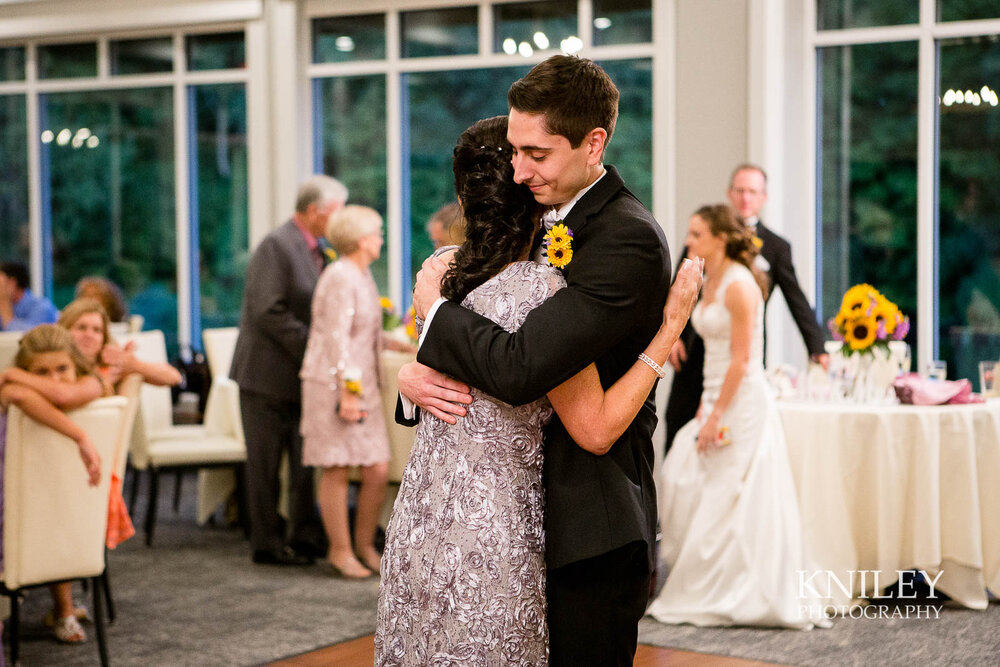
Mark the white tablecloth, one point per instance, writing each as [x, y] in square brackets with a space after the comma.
[894, 488]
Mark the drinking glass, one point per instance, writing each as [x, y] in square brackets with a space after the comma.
[937, 370]
[987, 378]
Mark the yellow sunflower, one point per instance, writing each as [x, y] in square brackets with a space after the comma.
[858, 300]
[559, 256]
[860, 333]
[840, 321]
[385, 302]
[886, 312]
[757, 241]
[353, 386]
[558, 237]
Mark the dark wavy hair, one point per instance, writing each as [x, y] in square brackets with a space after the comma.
[723, 221]
[499, 213]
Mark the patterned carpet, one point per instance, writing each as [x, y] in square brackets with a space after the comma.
[195, 598]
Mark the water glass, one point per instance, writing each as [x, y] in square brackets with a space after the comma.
[937, 370]
[987, 378]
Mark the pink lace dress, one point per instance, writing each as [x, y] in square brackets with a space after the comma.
[344, 338]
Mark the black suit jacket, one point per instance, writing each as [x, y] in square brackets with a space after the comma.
[778, 254]
[274, 320]
[612, 306]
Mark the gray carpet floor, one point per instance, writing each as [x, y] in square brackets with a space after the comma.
[195, 598]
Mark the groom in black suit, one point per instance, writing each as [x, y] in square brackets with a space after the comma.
[600, 516]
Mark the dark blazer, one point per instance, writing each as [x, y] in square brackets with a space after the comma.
[778, 254]
[617, 284]
[274, 321]
[685, 390]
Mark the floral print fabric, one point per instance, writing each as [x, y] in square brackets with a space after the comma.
[463, 573]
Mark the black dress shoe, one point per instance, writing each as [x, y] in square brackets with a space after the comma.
[310, 550]
[283, 556]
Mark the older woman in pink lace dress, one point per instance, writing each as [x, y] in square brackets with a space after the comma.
[342, 421]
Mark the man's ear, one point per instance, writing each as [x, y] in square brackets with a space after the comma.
[596, 141]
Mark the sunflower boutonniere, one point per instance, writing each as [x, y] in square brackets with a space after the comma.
[757, 241]
[559, 246]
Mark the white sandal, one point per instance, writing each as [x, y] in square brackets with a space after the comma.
[69, 631]
[80, 612]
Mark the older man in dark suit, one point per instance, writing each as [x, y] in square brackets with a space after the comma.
[274, 329]
[747, 193]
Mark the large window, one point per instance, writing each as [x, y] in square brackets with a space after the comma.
[14, 228]
[124, 125]
[869, 172]
[969, 203]
[449, 72]
[351, 132]
[219, 204]
[108, 196]
[907, 127]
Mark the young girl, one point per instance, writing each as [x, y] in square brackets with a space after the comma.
[48, 377]
[87, 321]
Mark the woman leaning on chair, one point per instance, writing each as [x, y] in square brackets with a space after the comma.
[88, 322]
[342, 421]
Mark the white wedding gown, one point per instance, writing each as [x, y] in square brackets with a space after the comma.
[732, 535]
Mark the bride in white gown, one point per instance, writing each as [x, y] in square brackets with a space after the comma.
[732, 536]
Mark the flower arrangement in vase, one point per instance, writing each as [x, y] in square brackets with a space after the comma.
[867, 320]
[865, 326]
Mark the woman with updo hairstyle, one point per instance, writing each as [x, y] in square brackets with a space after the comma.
[500, 215]
[729, 510]
[469, 514]
[342, 421]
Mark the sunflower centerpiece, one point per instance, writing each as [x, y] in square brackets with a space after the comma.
[867, 320]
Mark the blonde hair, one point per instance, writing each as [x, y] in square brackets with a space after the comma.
[49, 338]
[348, 225]
[80, 307]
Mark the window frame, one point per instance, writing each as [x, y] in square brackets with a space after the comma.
[180, 80]
[927, 33]
[394, 67]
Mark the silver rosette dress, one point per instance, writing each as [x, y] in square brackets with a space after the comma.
[463, 573]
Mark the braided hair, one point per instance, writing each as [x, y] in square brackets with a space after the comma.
[723, 221]
[499, 214]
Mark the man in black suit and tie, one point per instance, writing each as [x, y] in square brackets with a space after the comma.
[747, 193]
[274, 329]
[600, 516]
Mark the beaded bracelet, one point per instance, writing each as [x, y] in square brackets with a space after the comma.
[658, 369]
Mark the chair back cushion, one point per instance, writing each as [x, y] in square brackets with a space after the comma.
[155, 403]
[8, 347]
[219, 346]
[130, 388]
[54, 521]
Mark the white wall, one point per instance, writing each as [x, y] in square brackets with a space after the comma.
[711, 94]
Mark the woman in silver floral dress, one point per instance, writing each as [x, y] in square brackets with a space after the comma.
[463, 573]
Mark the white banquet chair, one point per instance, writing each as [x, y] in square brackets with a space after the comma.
[54, 521]
[216, 485]
[158, 445]
[9, 341]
